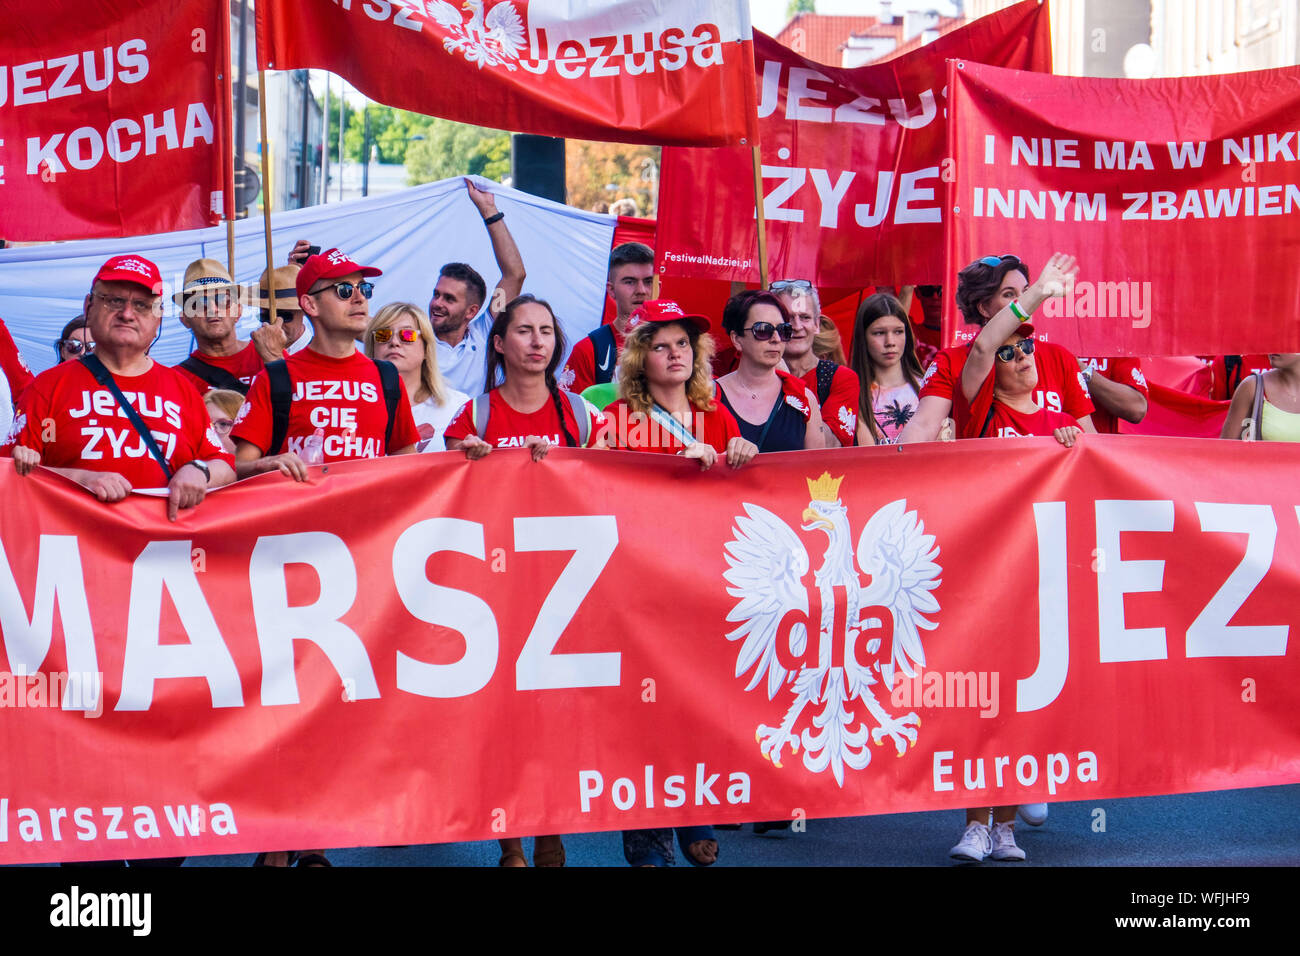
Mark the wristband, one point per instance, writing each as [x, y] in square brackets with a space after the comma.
[491, 219]
[1019, 313]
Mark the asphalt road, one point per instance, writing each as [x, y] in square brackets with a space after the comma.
[1258, 827]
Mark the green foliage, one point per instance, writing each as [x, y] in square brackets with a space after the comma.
[795, 7]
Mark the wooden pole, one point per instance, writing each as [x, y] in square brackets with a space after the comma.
[266, 192]
[762, 219]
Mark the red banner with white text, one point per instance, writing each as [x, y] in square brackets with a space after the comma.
[853, 165]
[1174, 194]
[623, 641]
[615, 70]
[114, 119]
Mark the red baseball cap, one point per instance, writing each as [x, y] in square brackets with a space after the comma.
[330, 264]
[665, 310]
[135, 269]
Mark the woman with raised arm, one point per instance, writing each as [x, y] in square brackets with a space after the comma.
[400, 333]
[774, 410]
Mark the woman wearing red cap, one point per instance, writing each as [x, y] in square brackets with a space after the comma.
[667, 398]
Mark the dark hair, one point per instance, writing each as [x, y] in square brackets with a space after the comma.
[631, 253]
[467, 274]
[978, 283]
[736, 311]
[875, 307]
[80, 322]
[496, 366]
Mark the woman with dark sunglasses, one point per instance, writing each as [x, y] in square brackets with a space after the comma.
[74, 341]
[774, 409]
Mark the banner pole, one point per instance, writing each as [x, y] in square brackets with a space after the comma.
[762, 219]
[266, 192]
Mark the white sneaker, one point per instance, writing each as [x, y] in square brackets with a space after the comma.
[1035, 814]
[974, 845]
[1004, 843]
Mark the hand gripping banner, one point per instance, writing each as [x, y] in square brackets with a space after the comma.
[1176, 195]
[114, 118]
[853, 165]
[617, 70]
[428, 649]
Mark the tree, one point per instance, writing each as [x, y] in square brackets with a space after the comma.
[392, 131]
[796, 7]
[591, 168]
[456, 149]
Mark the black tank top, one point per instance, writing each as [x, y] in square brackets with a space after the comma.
[786, 432]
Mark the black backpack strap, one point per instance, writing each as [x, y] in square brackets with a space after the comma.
[391, 381]
[105, 378]
[602, 341]
[825, 376]
[277, 375]
[213, 375]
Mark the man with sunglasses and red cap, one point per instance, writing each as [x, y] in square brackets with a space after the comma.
[116, 419]
[328, 402]
[984, 288]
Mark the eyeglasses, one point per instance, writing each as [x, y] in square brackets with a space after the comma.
[1007, 353]
[791, 285]
[344, 289]
[223, 425]
[929, 291]
[762, 331]
[201, 302]
[286, 315]
[403, 335]
[116, 303]
[75, 346]
[998, 260]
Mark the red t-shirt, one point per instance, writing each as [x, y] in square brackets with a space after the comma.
[1061, 387]
[840, 410]
[1121, 371]
[1009, 423]
[580, 370]
[11, 362]
[341, 397]
[87, 429]
[508, 428]
[243, 365]
[629, 431]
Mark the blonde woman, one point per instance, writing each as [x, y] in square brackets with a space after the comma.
[400, 333]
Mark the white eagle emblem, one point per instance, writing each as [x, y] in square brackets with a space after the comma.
[493, 41]
[864, 636]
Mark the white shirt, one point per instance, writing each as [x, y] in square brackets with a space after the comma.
[437, 417]
[462, 365]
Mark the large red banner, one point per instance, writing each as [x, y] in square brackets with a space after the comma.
[114, 118]
[1174, 194]
[618, 70]
[852, 162]
[398, 652]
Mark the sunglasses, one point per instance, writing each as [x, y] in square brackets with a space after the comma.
[285, 315]
[403, 335]
[1007, 353]
[76, 346]
[929, 291]
[791, 285]
[344, 290]
[998, 260]
[762, 331]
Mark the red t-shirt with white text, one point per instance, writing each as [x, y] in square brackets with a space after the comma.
[342, 397]
[1009, 423]
[243, 365]
[508, 428]
[12, 364]
[74, 422]
[1121, 371]
[626, 430]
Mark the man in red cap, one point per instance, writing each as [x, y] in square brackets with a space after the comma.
[116, 419]
[333, 403]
